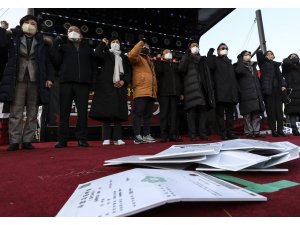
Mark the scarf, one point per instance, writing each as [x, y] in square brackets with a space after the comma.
[119, 70]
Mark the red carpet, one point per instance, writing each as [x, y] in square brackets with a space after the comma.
[39, 182]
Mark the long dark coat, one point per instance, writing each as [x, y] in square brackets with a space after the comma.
[197, 85]
[169, 82]
[291, 73]
[110, 103]
[225, 83]
[45, 68]
[250, 96]
[269, 74]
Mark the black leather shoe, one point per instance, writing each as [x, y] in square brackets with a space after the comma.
[60, 144]
[224, 137]
[232, 136]
[281, 133]
[193, 138]
[204, 137]
[296, 132]
[163, 140]
[82, 143]
[27, 146]
[275, 134]
[176, 139]
[13, 147]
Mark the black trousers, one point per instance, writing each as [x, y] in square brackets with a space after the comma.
[274, 110]
[227, 127]
[117, 130]
[197, 117]
[168, 111]
[142, 110]
[80, 94]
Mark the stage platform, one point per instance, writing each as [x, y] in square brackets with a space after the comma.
[37, 183]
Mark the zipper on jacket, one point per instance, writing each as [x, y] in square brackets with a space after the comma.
[78, 59]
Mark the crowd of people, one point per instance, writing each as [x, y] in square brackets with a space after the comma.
[202, 83]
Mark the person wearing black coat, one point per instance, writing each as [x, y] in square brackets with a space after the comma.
[76, 65]
[110, 99]
[250, 97]
[291, 73]
[272, 86]
[226, 92]
[26, 79]
[198, 90]
[3, 52]
[169, 90]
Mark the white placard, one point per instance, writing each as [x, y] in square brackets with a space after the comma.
[137, 190]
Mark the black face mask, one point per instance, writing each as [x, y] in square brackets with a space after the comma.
[145, 51]
[295, 60]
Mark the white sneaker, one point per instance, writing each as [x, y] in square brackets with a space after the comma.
[106, 142]
[149, 139]
[119, 142]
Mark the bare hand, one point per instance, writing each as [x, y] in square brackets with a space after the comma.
[49, 83]
[283, 88]
[181, 97]
[119, 84]
[105, 41]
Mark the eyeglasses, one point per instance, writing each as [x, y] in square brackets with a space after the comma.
[224, 48]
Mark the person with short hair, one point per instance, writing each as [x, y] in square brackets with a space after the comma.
[26, 80]
[272, 87]
[226, 92]
[169, 92]
[291, 73]
[198, 90]
[77, 70]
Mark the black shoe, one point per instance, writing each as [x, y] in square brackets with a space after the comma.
[275, 134]
[83, 143]
[296, 132]
[60, 144]
[232, 136]
[224, 137]
[281, 133]
[13, 147]
[176, 139]
[259, 135]
[204, 137]
[193, 138]
[163, 140]
[27, 145]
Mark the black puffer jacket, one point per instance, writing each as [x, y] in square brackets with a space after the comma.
[271, 76]
[291, 73]
[250, 96]
[74, 65]
[197, 85]
[168, 78]
[225, 83]
[45, 68]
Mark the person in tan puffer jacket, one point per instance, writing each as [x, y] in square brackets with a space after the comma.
[144, 86]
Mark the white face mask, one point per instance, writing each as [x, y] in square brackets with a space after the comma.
[29, 29]
[195, 50]
[224, 52]
[73, 36]
[115, 46]
[247, 58]
[168, 56]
